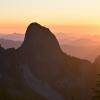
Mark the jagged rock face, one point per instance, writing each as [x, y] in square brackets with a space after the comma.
[12, 86]
[42, 50]
[39, 70]
[39, 37]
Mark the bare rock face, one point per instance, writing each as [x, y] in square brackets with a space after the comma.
[42, 50]
[39, 70]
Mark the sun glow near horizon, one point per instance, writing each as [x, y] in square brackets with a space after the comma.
[78, 16]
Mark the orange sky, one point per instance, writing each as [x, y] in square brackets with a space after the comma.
[73, 30]
[68, 16]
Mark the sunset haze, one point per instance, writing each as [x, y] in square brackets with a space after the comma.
[68, 16]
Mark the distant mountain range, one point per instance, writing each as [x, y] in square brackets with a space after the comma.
[10, 43]
[84, 48]
[14, 36]
[40, 70]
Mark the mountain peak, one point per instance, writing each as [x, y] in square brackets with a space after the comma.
[38, 35]
[34, 27]
[39, 45]
[34, 24]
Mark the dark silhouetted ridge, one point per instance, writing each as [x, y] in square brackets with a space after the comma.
[43, 50]
[40, 70]
[39, 35]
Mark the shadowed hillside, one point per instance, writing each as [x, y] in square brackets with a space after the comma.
[39, 70]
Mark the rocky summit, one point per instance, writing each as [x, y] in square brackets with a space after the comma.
[40, 70]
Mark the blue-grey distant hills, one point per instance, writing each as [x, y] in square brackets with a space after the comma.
[89, 48]
[13, 36]
[10, 43]
[40, 70]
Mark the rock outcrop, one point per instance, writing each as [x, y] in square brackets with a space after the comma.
[39, 70]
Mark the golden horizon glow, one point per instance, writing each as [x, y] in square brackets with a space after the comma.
[68, 16]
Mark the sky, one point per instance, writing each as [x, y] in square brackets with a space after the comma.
[68, 16]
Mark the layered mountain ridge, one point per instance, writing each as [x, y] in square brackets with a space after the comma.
[40, 70]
